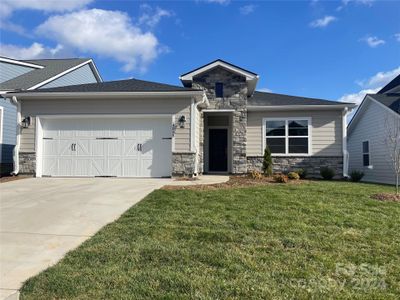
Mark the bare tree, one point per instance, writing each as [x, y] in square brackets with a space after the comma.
[392, 141]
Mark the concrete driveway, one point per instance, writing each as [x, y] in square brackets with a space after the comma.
[41, 219]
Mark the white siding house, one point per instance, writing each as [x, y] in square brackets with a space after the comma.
[368, 131]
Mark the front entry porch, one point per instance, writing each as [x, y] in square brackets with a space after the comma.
[218, 142]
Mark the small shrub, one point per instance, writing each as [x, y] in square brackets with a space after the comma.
[302, 173]
[256, 174]
[267, 162]
[327, 173]
[293, 176]
[356, 176]
[281, 178]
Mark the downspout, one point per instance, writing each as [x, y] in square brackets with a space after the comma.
[344, 143]
[18, 142]
[194, 108]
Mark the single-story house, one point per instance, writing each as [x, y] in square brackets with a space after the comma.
[215, 123]
[19, 75]
[376, 117]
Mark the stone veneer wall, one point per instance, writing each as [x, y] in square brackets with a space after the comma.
[27, 163]
[235, 97]
[183, 164]
[289, 163]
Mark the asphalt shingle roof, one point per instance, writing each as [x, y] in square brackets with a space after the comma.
[128, 85]
[392, 101]
[52, 67]
[272, 99]
[391, 86]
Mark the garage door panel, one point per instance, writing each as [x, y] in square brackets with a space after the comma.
[50, 165]
[83, 167]
[130, 167]
[65, 166]
[115, 147]
[98, 167]
[65, 148]
[107, 147]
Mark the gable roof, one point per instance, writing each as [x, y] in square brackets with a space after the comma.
[391, 101]
[49, 70]
[213, 64]
[391, 85]
[128, 85]
[271, 99]
[251, 77]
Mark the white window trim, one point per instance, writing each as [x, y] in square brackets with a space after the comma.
[1, 123]
[286, 119]
[363, 153]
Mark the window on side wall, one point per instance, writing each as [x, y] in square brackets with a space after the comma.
[365, 153]
[219, 90]
[287, 136]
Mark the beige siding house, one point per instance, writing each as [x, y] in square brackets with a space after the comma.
[216, 123]
[368, 132]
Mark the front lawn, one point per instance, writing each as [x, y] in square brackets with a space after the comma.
[317, 239]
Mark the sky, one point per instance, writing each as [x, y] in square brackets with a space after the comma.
[335, 50]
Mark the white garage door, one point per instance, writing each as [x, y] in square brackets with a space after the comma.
[122, 147]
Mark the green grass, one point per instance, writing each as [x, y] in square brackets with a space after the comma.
[314, 240]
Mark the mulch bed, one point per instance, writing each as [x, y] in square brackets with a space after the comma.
[233, 182]
[386, 197]
[12, 178]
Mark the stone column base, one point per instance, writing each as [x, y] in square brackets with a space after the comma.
[312, 164]
[183, 164]
[27, 163]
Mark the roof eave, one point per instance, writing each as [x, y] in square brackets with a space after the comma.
[48, 95]
[299, 107]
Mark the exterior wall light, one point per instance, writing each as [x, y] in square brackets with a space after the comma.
[182, 121]
[26, 122]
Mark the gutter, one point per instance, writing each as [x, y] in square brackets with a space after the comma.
[344, 143]
[193, 112]
[14, 101]
[299, 107]
[42, 95]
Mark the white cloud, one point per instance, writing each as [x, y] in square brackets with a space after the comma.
[105, 33]
[373, 41]
[223, 2]
[34, 51]
[358, 97]
[266, 90]
[371, 85]
[323, 22]
[152, 16]
[397, 36]
[361, 2]
[380, 79]
[247, 9]
[7, 7]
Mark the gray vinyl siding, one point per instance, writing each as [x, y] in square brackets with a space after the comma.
[9, 71]
[177, 107]
[371, 127]
[326, 130]
[9, 131]
[81, 75]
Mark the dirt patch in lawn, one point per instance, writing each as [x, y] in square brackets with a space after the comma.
[12, 178]
[233, 182]
[386, 197]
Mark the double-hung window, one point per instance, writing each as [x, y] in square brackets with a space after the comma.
[288, 136]
[365, 153]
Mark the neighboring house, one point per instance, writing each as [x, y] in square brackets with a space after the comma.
[216, 123]
[367, 132]
[17, 75]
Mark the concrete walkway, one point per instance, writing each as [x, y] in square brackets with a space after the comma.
[41, 219]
